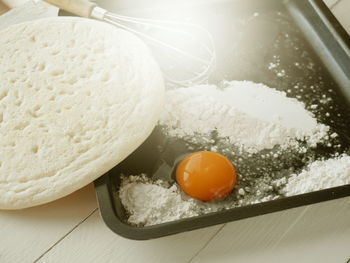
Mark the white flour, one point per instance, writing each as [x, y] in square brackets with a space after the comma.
[251, 116]
[152, 203]
[320, 175]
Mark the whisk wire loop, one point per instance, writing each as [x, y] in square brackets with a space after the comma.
[141, 27]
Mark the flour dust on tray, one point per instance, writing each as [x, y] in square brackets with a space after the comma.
[317, 176]
[277, 146]
[150, 203]
[251, 116]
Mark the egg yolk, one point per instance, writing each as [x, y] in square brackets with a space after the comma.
[206, 175]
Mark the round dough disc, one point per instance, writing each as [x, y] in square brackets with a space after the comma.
[77, 96]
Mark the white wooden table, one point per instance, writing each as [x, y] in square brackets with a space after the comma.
[71, 229]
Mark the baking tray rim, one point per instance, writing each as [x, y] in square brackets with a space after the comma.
[117, 225]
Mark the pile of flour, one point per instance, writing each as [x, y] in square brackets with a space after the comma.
[251, 116]
[150, 203]
[320, 175]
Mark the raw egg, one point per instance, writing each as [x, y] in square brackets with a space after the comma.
[206, 175]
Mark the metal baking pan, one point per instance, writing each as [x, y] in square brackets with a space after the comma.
[303, 32]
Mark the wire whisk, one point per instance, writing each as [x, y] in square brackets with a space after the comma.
[185, 51]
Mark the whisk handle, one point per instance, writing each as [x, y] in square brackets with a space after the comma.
[78, 7]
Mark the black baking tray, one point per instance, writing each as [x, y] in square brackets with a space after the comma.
[320, 43]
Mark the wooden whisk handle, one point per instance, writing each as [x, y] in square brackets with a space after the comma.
[78, 7]
[3, 7]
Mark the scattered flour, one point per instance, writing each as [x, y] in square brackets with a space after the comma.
[251, 116]
[150, 203]
[320, 175]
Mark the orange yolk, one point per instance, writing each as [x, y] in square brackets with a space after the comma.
[206, 175]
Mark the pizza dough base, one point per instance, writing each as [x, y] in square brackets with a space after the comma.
[77, 96]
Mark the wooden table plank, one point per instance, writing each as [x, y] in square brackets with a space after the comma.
[27, 234]
[317, 233]
[341, 12]
[14, 3]
[330, 3]
[92, 241]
